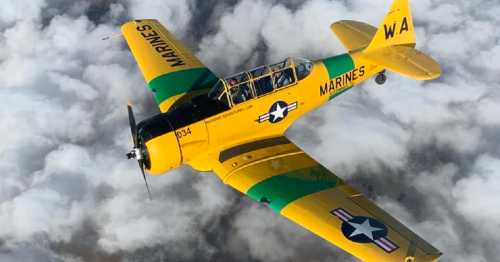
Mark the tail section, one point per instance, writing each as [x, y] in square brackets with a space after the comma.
[391, 46]
[397, 28]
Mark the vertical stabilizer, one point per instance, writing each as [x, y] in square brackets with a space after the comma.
[396, 29]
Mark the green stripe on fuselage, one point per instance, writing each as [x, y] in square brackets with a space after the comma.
[338, 65]
[185, 81]
[283, 189]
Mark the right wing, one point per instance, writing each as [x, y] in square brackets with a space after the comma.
[170, 69]
[278, 173]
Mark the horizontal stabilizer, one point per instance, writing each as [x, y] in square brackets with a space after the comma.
[406, 61]
[354, 35]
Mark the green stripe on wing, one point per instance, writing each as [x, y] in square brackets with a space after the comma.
[283, 189]
[179, 82]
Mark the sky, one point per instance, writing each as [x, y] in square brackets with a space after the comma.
[427, 152]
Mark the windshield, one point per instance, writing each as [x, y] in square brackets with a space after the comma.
[303, 67]
[219, 92]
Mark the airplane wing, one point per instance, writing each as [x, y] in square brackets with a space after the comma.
[170, 69]
[354, 35]
[278, 173]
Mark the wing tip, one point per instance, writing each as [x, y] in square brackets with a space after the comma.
[432, 70]
[134, 22]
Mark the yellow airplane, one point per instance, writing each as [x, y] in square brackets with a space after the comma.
[235, 127]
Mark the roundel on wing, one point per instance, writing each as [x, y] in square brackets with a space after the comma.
[363, 229]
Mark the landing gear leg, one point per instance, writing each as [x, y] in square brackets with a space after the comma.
[381, 78]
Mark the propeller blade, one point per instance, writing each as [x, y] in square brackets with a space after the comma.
[133, 126]
[136, 153]
[141, 165]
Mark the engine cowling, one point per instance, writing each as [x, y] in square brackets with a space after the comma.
[163, 153]
[160, 144]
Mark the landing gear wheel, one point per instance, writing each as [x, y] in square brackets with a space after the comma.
[381, 78]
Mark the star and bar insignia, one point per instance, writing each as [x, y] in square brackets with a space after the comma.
[277, 112]
[364, 230]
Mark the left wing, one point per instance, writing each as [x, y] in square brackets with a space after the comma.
[170, 69]
[278, 173]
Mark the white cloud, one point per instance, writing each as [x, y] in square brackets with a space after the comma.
[176, 15]
[40, 211]
[356, 138]
[130, 222]
[488, 110]
[237, 36]
[21, 10]
[477, 195]
[74, 86]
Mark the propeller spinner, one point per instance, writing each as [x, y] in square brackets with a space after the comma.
[138, 150]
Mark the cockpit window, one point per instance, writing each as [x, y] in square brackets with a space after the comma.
[241, 93]
[263, 85]
[283, 78]
[259, 71]
[237, 79]
[240, 88]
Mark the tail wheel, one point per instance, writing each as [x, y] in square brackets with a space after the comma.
[381, 78]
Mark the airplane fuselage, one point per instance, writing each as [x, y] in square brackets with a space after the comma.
[198, 143]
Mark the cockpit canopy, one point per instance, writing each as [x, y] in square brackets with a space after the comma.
[260, 81]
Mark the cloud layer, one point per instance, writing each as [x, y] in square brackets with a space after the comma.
[429, 153]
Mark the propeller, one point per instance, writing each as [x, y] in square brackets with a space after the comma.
[138, 150]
